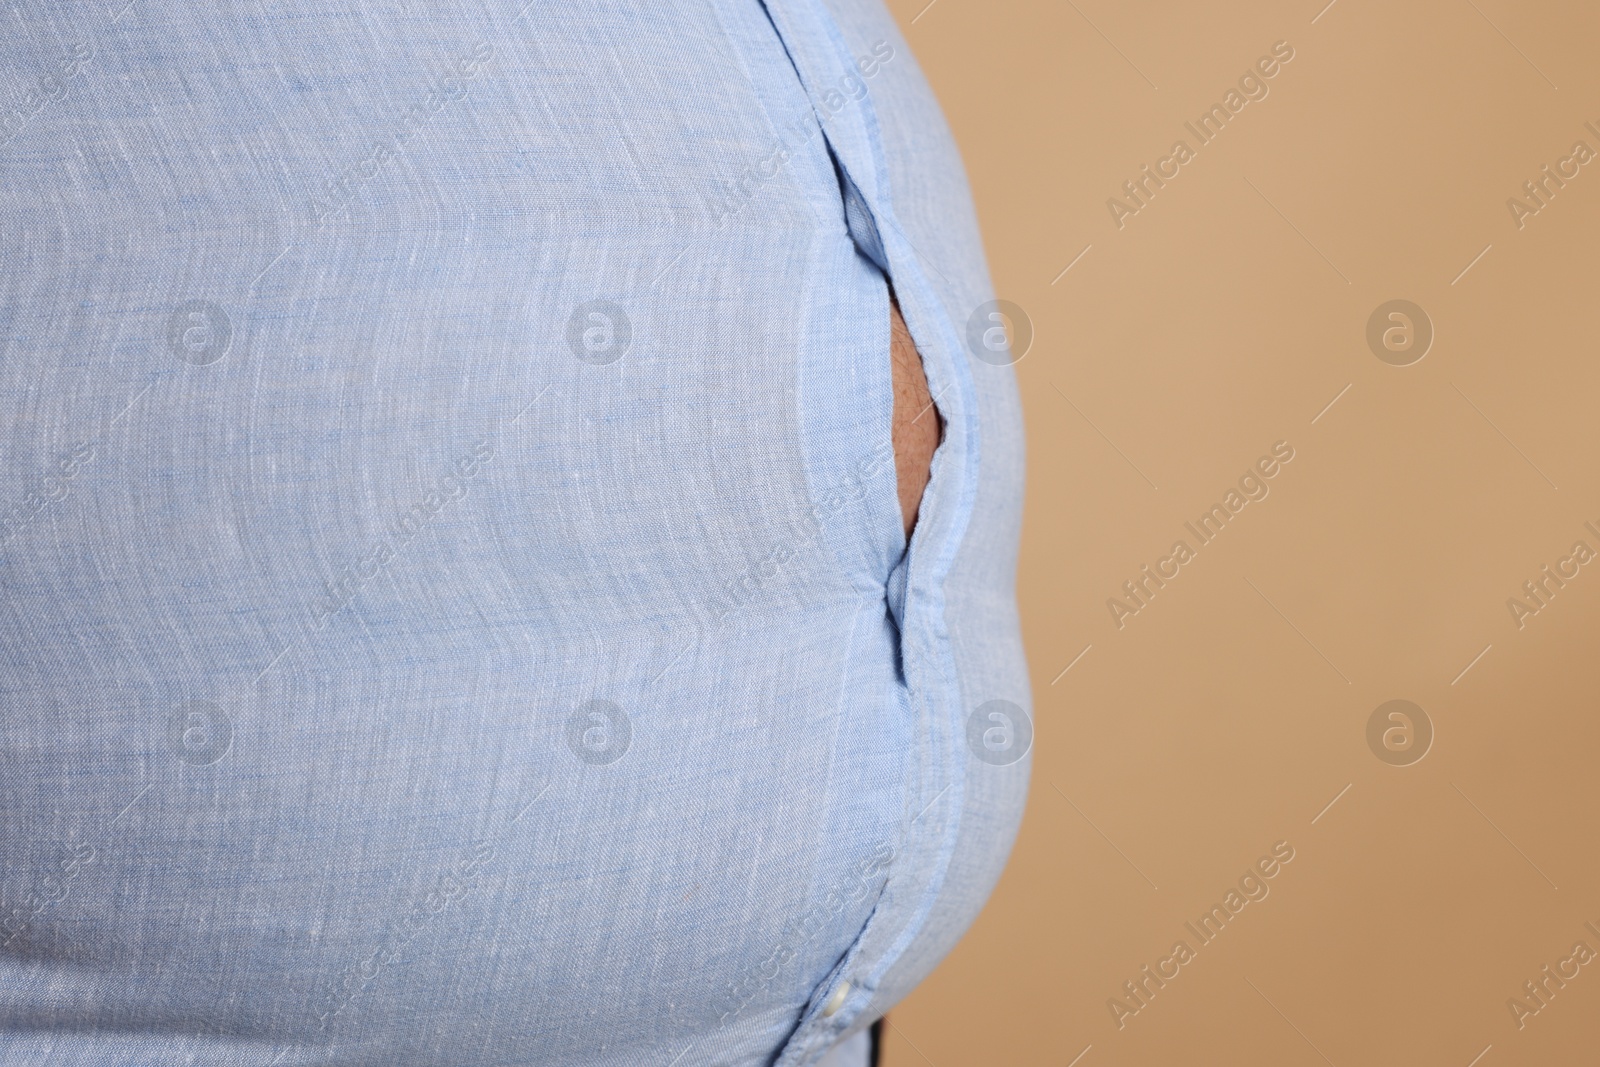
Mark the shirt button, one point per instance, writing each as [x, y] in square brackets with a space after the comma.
[836, 1001]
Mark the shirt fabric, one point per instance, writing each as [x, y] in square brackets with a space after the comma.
[455, 607]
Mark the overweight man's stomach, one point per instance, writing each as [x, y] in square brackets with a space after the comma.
[385, 681]
[454, 607]
[390, 683]
[458, 845]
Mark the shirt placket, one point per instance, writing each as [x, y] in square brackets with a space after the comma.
[846, 999]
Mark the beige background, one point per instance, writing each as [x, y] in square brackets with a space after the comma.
[1232, 710]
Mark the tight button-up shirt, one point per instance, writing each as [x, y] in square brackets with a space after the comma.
[454, 608]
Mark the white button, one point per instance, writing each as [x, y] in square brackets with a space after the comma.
[836, 1001]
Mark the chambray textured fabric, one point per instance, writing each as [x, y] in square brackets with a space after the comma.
[453, 605]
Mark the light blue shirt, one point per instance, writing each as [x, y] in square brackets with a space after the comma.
[453, 602]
